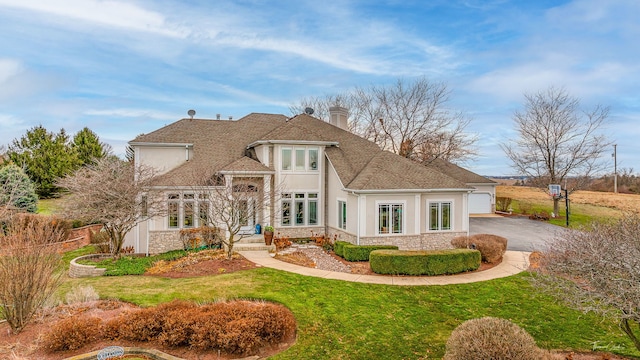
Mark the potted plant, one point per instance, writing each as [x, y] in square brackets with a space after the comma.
[268, 235]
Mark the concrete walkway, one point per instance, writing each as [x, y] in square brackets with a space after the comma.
[513, 262]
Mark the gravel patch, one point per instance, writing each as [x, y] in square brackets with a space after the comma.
[323, 260]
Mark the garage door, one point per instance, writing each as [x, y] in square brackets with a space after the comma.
[479, 203]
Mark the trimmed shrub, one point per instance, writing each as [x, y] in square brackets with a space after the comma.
[338, 247]
[436, 262]
[492, 247]
[361, 252]
[72, 333]
[491, 338]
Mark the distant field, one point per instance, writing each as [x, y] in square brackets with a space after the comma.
[585, 205]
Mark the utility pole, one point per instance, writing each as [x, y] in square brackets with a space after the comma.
[615, 168]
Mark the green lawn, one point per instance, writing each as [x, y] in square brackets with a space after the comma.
[343, 320]
[49, 206]
[579, 214]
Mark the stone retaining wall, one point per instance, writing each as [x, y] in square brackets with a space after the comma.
[80, 270]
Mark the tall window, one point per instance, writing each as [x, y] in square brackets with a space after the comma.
[440, 215]
[304, 207]
[188, 210]
[173, 207]
[313, 159]
[286, 209]
[390, 218]
[299, 208]
[313, 209]
[286, 159]
[342, 214]
[203, 212]
[300, 159]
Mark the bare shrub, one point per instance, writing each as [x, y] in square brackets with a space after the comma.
[82, 294]
[491, 247]
[29, 266]
[72, 333]
[102, 242]
[503, 203]
[240, 327]
[491, 338]
[597, 270]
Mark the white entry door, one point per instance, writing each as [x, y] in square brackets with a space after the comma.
[248, 220]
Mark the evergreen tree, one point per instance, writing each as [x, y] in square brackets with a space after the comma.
[45, 156]
[88, 147]
[16, 189]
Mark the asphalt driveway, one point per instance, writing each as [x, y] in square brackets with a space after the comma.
[522, 234]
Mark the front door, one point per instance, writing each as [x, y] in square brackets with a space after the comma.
[247, 216]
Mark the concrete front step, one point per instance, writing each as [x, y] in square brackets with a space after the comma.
[252, 247]
[253, 239]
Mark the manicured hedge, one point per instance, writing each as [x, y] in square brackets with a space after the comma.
[361, 252]
[436, 262]
[338, 247]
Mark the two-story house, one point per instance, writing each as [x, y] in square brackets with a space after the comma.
[327, 180]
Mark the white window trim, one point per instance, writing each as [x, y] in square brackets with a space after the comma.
[305, 202]
[452, 210]
[376, 230]
[196, 210]
[294, 159]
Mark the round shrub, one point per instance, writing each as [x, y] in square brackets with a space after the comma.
[491, 338]
[492, 247]
[72, 333]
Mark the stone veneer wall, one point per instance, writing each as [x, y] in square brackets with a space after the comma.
[296, 232]
[161, 241]
[342, 235]
[427, 241]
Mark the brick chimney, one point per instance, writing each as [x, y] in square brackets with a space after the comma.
[338, 116]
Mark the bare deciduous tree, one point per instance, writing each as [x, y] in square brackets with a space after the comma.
[233, 203]
[29, 266]
[411, 119]
[557, 140]
[114, 193]
[597, 270]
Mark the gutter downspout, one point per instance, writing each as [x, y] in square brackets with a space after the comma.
[358, 215]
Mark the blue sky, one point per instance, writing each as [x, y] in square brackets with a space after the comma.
[128, 67]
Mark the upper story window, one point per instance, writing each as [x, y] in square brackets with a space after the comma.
[300, 158]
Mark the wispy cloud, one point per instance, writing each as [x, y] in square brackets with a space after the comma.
[122, 15]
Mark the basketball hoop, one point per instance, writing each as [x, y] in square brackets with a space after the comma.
[555, 190]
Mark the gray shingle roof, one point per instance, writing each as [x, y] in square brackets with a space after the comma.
[217, 144]
[457, 172]
[360, 164]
